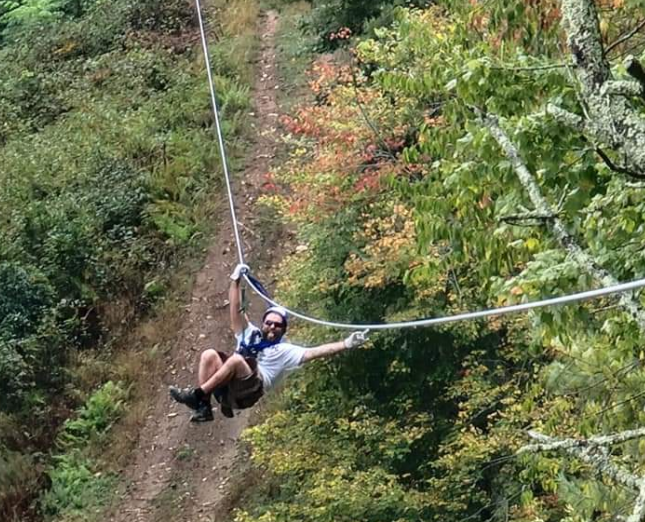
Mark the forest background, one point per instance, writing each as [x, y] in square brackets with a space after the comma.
[452, 157]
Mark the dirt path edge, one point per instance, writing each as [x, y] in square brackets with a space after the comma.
[181, 471]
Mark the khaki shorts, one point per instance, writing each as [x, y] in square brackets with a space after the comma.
[243, 393]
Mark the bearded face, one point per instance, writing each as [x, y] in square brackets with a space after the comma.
[273, 327]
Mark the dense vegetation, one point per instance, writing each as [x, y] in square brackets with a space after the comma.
[108, 166]
[407, 206]
[436, 172]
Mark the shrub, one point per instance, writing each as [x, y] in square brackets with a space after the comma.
[18, 477]
[166, 17]
[330, 16]
[94, 419]
[25, 295]
[75, 485]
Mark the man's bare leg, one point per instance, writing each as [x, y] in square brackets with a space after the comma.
[212, 373]
[235, 367]
[209, 362]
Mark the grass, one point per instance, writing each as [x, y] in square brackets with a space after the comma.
[294, 54]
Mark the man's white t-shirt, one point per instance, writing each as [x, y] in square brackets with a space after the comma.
[273, 361]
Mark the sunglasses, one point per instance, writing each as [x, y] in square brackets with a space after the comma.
[274, 323]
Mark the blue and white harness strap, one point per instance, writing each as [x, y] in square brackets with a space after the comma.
[255, 345]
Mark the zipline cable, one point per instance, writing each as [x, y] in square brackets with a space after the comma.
[553, 301]
[220, 134]
[565, 299]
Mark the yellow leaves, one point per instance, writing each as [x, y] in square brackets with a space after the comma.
[389, 242]
[532, 244]
[67, 48]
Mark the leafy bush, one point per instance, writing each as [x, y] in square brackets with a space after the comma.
[25, 296]
[108, 167]
[75, 485]
[16, 374]
[28, 14]
[329, 17]
[168, 17]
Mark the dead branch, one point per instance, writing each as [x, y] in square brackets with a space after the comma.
[594, 452]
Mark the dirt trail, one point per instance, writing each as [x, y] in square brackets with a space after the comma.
[181, 472]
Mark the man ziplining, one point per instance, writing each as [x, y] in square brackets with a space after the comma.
[261, 359]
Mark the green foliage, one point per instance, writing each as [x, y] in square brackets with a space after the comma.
[95, 418]
[108, 169]
[328, 18]
[29, 13]
[75, 485]
[168, 17]
[402, 207]
[25, 296]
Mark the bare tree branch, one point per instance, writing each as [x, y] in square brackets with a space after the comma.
[639, 506]
[622, 88]
[521, 219]
[567, 118]
[625, 37]
[617, 168]
[529, 68]
[594, 452]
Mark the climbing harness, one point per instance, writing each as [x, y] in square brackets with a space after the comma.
[257, 287]
[255, 345]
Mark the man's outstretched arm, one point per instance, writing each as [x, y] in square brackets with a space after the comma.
[326, 350]
[238, 321]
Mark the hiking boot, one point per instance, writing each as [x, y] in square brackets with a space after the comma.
[187, 396]
[227, 411]
[203, 413]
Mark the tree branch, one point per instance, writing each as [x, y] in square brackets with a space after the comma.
[593, 452]
[519, 219]
[542, 206]
[617, 168]
[625, 37]
[639, 506]
[529, 68]
[622, 88]
[567, 118]
[611, 120]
